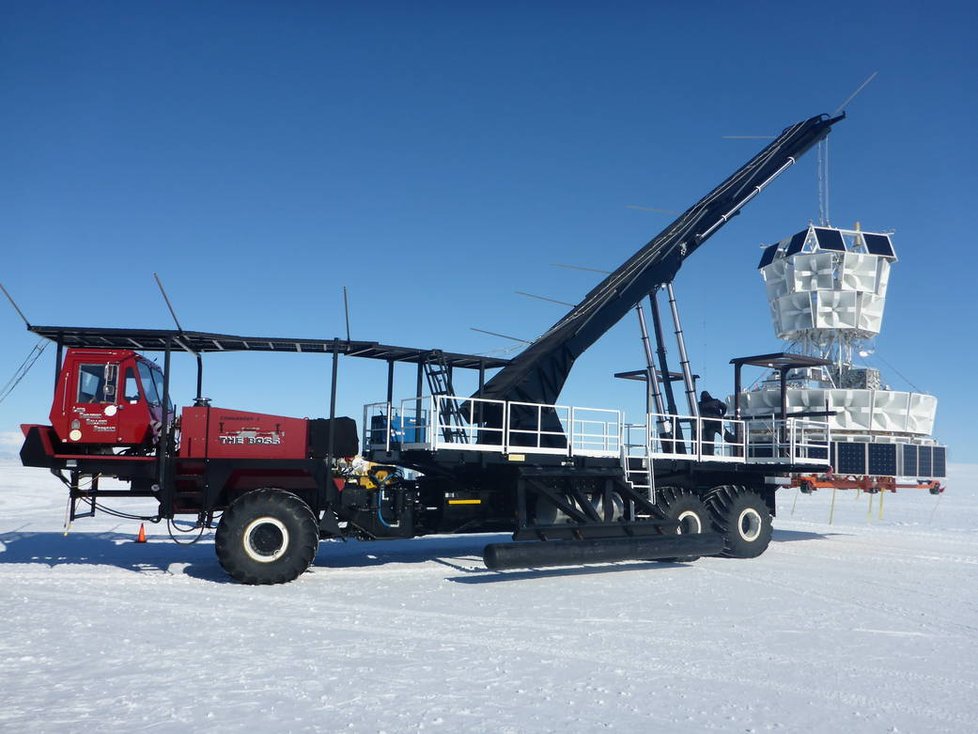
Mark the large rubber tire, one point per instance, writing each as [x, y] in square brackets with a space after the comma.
[742, 517]
[267, 536]
[686, 508]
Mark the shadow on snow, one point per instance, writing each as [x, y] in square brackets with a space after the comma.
[102, 549]
[790, 536]
[462, 554]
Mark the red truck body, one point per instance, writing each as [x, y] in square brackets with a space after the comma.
[208, 432]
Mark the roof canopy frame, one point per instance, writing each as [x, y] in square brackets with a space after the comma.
[196, 342]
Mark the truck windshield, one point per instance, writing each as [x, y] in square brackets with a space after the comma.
[152, 381]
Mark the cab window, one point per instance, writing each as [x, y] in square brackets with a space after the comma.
[131, 386]
[91, 383]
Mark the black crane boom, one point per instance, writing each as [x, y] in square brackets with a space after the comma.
[537, 374]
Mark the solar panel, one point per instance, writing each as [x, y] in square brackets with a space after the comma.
[909, 460]
[850, 458]
[797, 241]
[818, 452]
[767, 257]
[939, 468]
[883, 459]
[924, 459]
[879, 244]
[830, 239]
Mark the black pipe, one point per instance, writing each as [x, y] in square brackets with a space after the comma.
[329, 488]
[200, 378]
[503, 556]
[331, 436]
[163, 447]
[59, 360]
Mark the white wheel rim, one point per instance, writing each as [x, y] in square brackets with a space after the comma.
[749, 524]
[689, 518]
[249, 539]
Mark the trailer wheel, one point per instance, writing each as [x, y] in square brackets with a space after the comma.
[267, 536]
[743, 519]
[685, 508]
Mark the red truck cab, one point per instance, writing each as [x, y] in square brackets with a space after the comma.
[109, 397]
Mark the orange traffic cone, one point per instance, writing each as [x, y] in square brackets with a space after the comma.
[141, 538]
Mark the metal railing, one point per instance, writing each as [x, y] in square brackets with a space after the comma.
[798, 440]
[439, 422]
[376, 419]
[386, 427]
[426, 422]
[595, 437]
[681, 437]
[809, 440]
[478, 431]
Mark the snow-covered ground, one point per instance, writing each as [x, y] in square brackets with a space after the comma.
[864, 625]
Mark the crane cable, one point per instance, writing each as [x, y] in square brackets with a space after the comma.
[24, 368]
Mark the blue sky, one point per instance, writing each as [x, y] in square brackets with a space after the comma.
[436, 157]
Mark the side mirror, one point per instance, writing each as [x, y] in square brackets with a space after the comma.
[110, 374]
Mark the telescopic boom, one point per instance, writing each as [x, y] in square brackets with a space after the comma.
[537, 375]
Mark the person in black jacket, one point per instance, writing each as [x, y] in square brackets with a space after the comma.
[710, 408]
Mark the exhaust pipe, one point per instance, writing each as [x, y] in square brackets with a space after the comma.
[543, 554]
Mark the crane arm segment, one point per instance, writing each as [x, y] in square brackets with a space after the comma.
[537, 374]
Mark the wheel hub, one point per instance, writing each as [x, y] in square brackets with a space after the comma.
[749, 524]
[266, 539]
[689, 523]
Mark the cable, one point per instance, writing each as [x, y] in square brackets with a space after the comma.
[903, 377]
[190, 529]
[170, 526]
[24, 368]
[125, 515]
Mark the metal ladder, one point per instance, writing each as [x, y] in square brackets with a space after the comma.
[638, 472]
[450, 418]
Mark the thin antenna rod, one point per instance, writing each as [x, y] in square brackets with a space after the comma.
[14, 304]
[346, 309]
[544, 298]
[851, 96]
[578, 267]
[504, 336]
[650, 209]
[168, 304]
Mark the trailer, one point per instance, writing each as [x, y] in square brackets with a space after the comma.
[572, 484]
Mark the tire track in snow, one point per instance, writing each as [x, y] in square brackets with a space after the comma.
[652, 636]
[812, 551]
[662, 665]
[874, 607]
[120, 590]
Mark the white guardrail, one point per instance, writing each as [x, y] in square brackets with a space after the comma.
[803, 440]
[479, 424]
[690, 436]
